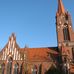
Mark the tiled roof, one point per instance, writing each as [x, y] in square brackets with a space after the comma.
[32, 54]
[38, 54]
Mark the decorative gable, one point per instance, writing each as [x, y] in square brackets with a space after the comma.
[11, 49]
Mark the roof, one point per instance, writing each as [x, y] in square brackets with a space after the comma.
[61, 8]
[38, 54]
[32, 54]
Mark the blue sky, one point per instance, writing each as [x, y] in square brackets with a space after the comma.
[32, 21]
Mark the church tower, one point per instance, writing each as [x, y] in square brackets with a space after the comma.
[65, 34]
[64, 25]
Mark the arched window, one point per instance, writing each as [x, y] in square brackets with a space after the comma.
[40, 69]
[2, 68]
[9, 66]
[73, 54]
[22, 70]
[66, 17]
[34, 69]
[66, 33]
[16, 67]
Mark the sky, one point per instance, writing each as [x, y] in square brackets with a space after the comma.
[32, 21]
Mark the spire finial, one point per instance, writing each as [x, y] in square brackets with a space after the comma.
[60, 7]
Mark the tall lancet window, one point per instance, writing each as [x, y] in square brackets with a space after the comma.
[9, 66]
[34, 69]
[2, 68]
[66, 33]
[73, 54]
[40, 69]
[16, 67]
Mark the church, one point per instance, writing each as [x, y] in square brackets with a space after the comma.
[48, 60]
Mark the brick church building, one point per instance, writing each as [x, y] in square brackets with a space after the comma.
[16, 60]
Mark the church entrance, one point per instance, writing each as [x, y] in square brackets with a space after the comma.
[9, 66]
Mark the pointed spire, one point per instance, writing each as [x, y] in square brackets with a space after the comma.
[60, 7]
